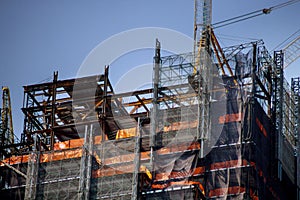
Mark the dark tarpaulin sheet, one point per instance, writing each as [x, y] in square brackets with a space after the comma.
[167, 165]
[225, 183]
[262, 137]
[243, 64]
[12, 184]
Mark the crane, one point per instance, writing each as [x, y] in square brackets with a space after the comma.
[202, 22]
[206, 43]
[202, 76]
[7, 146]
[6, 130]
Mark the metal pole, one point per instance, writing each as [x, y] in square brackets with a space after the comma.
[89, 162]
[83, 165]
[157, 63]
[103, 117]
[55, 75]
[137, 156]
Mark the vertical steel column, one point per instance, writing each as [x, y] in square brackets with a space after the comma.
[252, 108]
[89, 162]
[83, 165]
[296, 90]
[204, 95]
[278, 59]
[32, 172]
[86, 163]
[53, 106]
[103, 117]
[253, 73]
[157, 65]
[136, 163]
[26, 138]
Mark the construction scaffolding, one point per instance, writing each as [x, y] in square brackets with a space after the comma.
[230, 135]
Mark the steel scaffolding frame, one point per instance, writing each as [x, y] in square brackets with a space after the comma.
[104, 164]
[296, 91]
[49, 109]
[286, 119]
[86, 163]
[278, 88]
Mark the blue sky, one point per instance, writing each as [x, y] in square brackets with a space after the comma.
[39, 37]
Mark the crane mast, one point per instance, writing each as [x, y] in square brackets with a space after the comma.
[202, 67]
[202, 23]
[206, 45]
[6, 131]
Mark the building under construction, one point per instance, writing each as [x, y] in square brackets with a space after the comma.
[218, 123]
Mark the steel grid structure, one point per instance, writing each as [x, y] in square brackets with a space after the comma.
[286, 120]
[49, 109]
[296, 91]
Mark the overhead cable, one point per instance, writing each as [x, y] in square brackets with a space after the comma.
[252, 14]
